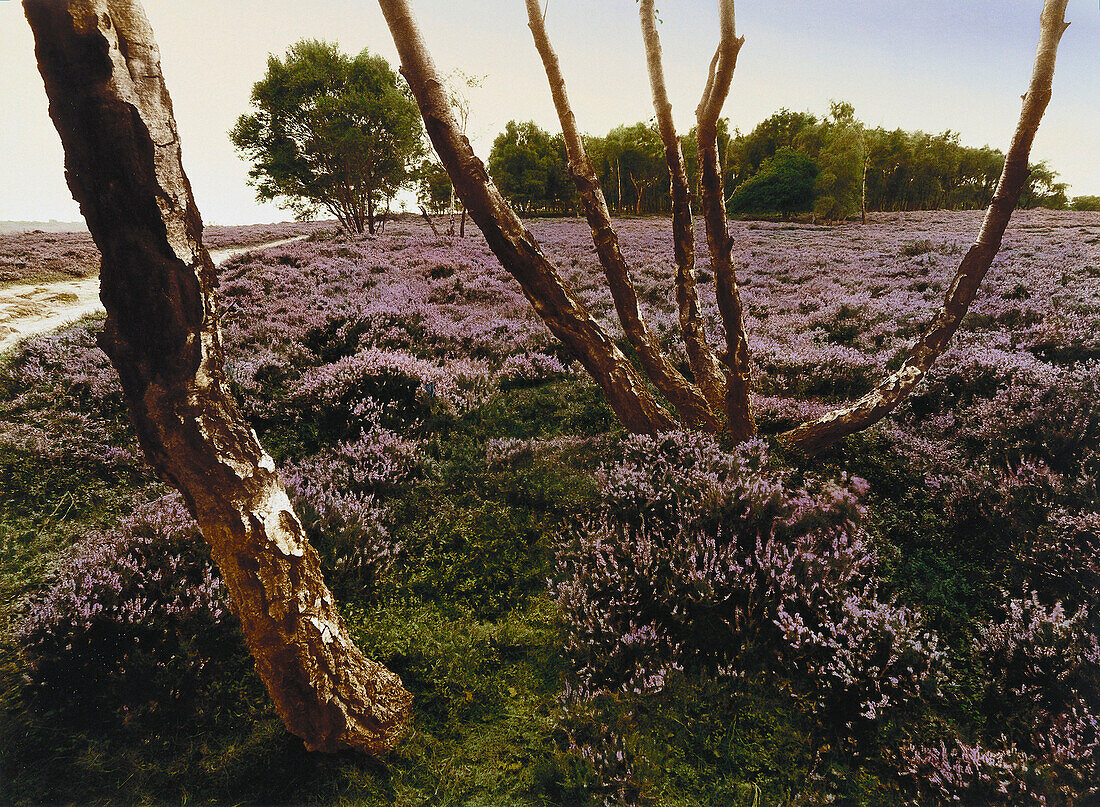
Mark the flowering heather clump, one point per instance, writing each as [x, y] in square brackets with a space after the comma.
[334, 493]
[707, 562]
[38, 256]
[65, 375]
[527, 368]
[970, 775]
[133, 613]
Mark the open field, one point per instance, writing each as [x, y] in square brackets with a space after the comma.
[43, 257]
[581, 615]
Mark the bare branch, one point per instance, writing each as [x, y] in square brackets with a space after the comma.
[812, 437]
[513, 245]
[739, 417]
[683, 395]
[704, 364]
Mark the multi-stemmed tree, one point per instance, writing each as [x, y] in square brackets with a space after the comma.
[715, 394]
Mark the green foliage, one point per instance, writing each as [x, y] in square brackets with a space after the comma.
[433, 186]
[632, 162]
[1043, 189]
[842, 158]
[331, 132]
[1087, 203]
[784, 184]
[530, 168]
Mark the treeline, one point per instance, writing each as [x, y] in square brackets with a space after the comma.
[833, 167]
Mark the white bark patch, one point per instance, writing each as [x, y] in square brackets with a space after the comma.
[325, 629]
[281, 526]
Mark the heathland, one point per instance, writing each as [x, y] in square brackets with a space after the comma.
[584, 616]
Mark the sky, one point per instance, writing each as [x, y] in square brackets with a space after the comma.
[916, 64]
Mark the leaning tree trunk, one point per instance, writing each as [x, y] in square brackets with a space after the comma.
[689, 402]
[816, 435]
[102, 73]
[515, 247]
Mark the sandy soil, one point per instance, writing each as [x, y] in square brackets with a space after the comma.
[28, 310]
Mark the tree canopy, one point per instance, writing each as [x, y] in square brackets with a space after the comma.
[784, 184]
[881, 169]
[530, 168]
[330, 132]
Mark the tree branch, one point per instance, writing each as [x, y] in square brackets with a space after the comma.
[684, 396]
[513, 244]
[741, 423]
[704, 364]
[813, 436]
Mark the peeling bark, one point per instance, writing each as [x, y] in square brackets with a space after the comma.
[101, 68]
[689, 402]
[514, 246]
[740, 421]
[704, 364]
[816, 435]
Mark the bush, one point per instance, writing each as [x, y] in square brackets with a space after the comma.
[136, 618]
[784, 184]
[711, 565]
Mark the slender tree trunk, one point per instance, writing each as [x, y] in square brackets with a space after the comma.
[739, 416]
[462, 224]
[513, 244]
[684, 396]
[122, 156]
[816, 435]
[428, 218]
[619, 182]
[863, 194]
[701, 358]
[370, 215]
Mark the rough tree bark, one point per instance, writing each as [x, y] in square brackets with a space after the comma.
[689, 402]
[812, 437]
[701, 358]
[516, 249]
[725, 395]
[740, 421]
[101, 68]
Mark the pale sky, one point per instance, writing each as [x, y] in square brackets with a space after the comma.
[915, 64]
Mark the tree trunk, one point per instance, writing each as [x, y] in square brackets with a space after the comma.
[370, 215]
[704, 364]
[739, 416]
[513, 244]
[816, 435]
[684, 396]
[424, 214]
[108, 101]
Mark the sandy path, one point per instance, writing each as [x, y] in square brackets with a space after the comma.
[35, 308]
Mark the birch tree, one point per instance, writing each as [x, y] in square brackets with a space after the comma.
[108, 100]
[716, 396]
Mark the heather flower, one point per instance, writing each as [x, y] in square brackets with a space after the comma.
[707, 562]
[134, 612]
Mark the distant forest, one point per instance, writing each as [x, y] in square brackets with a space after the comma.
[832, 167]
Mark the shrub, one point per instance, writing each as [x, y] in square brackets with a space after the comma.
[334, 494]
[707, 563]
[136, 617]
